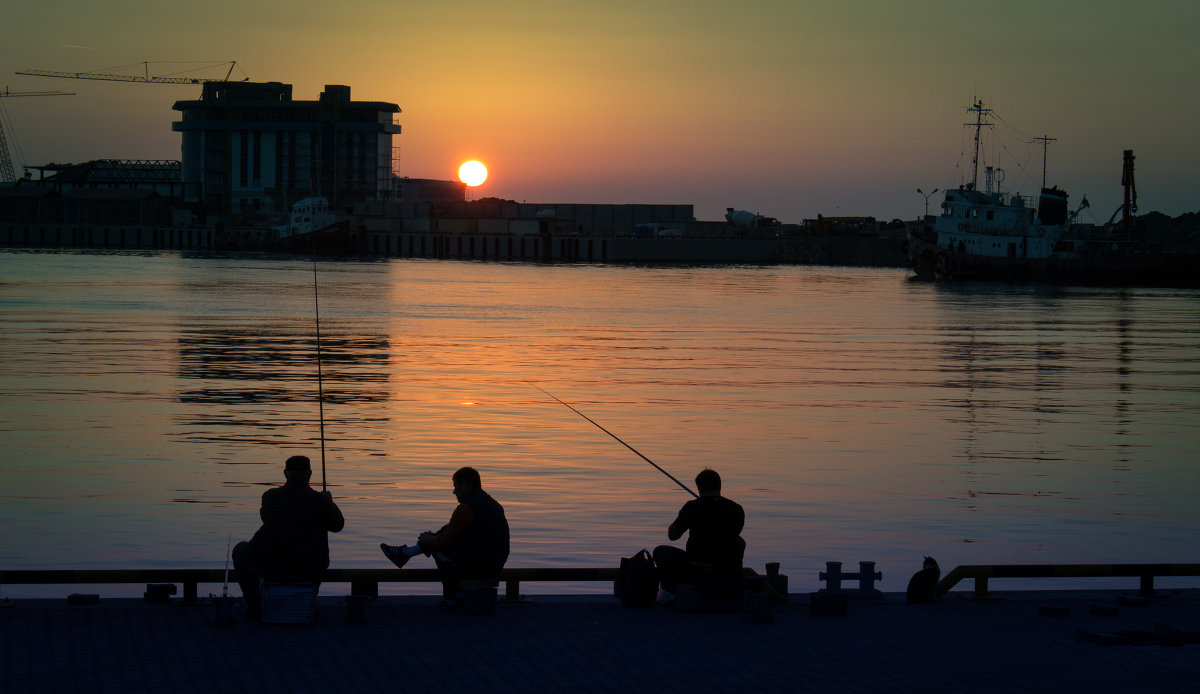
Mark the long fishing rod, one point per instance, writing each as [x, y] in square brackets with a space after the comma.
[320, 387]
[228, 547]
[656, 467]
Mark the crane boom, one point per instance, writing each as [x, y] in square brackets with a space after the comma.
[146, 78]
[6, 93]
[113, 78]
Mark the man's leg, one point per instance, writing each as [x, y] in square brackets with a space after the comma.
[425, 550]
[400, 554]
[672, 564]
[249, 573]
[451, 578]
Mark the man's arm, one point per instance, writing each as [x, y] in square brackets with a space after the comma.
[334, 521]
[677, 527]
[266, 511]
[459, 520]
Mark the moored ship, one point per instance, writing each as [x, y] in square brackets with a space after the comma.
[992, 234]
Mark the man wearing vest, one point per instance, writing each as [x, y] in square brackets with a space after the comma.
[474, 544]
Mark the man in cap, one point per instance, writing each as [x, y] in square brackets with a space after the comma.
[474, 544]
[292, 545]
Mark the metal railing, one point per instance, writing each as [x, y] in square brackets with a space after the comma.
[366, 581]
[362, 581]
[983, 572]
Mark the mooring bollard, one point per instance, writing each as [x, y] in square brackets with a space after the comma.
[866, 577]
[777, 581]
[832, 575]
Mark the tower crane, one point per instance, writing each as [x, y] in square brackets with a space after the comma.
[7, 174]
[146, 77]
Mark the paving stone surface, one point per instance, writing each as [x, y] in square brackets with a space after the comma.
[1018, 642]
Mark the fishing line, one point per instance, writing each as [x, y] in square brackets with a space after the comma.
[320, 387]
[656, 467]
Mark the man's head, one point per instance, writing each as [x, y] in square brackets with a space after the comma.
[466, 479]
[708, 483]
[297, 469]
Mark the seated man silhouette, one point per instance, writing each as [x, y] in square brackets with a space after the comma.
[714, 546]
[473, 545]
[292, 545]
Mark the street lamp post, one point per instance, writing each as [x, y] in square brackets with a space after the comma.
[927, 195]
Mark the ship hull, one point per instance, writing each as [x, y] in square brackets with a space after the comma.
[932, 262]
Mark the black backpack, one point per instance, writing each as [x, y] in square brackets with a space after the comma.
[637, 581]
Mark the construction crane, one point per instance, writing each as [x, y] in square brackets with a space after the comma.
[145, 78]
[7, 174]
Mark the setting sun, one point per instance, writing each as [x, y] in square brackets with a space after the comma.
[472, 173]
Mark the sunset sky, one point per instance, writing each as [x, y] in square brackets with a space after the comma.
[781, 107]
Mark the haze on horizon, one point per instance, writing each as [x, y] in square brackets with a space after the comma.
[788, 109]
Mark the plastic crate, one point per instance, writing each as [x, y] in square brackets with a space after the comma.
[479, 595]
[288, 603]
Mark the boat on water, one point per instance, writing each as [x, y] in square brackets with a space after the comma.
[987, 233]
[307, 216]
[310, 228]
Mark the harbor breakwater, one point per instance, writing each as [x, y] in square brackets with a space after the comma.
[868, 251]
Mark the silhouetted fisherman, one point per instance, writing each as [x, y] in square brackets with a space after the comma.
[292, 546]
[473, 545]
[714, 524]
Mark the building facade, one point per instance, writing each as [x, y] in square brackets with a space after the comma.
[253, 150]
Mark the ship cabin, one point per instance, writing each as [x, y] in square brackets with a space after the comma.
[992, 223]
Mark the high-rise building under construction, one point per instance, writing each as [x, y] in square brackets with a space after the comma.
[252, 149]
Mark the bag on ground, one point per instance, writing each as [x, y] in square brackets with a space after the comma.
[637, 581]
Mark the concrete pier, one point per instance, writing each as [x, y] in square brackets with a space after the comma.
[1098, 641]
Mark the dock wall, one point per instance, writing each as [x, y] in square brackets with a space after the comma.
[535, 247]
[106, 237]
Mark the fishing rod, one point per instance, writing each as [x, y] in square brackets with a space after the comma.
[320, 387]
[656, 467]
[228, 546]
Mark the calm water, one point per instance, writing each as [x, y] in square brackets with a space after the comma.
[146, 401]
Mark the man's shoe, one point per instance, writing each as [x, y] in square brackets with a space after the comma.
[396, 554]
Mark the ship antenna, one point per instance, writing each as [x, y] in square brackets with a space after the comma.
[1045, 146]
[980, 111]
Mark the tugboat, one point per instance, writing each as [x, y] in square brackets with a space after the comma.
[990, 234]
[312, 228]
[308, 216]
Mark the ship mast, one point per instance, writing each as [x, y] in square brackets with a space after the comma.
[979, 110]
[1045, 146]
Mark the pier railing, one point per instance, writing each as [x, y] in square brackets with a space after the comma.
[983, 572]
[362, 581]
[366, 581]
